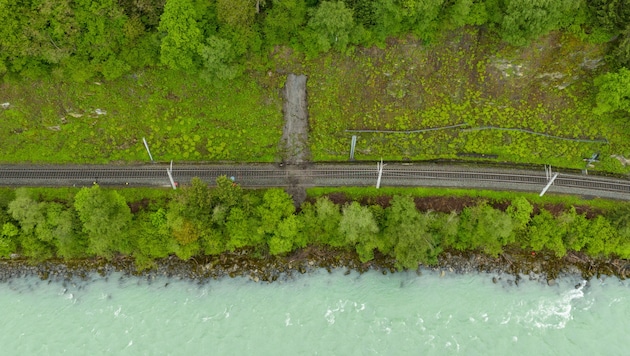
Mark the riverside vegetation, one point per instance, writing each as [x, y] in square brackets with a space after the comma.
[84, 81]
[197, 221]
[526, 81]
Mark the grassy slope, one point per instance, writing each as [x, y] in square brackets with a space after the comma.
[181, 116]
[467, 77]
[471, 78]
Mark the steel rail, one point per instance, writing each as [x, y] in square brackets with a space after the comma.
[269, 175]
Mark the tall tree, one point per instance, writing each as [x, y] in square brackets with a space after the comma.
[284, 21]
[360, 229]
[182, 36]
[105, 217]
[408, 231]
[331, 25]
[523, 20]
[613, 92]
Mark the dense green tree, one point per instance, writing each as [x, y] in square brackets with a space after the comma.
[284, 21]
[182, 36]
[236, 14]
[363, 11]
[398, 17]
[321, 222]
[331, 26]
[219, 59]
[360, 230]
[613, 92]
[458, 13]
[8, 236]
[524, 20]
[99, 41]
[620, 55]
[243, 230]
[545, 233]
[520, 210]
[483, 227]
[28, 212]
[406, 235]
[105, 217]
[613, 15]
[147, 11]
[278, 224]
[576, 229]
[604, 239]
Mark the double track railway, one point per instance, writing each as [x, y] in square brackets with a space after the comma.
[267, 175]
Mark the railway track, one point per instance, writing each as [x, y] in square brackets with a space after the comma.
[265, 175]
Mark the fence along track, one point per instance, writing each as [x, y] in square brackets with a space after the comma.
[274, 176]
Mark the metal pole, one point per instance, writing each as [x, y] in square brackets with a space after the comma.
[170, 177]
[147, 146]
[548, 184]
[380, 173]
[169, 171]
[352, 146]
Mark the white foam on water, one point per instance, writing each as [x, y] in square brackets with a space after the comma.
[554, 313]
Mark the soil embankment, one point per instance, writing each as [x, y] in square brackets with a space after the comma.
[510, 267]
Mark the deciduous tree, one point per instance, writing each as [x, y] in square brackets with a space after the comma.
[105, 217]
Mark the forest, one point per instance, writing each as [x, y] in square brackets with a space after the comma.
[220, 39]
[198, 220]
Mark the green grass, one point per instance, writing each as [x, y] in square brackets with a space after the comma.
[182, 117]
[567, 200]
[467, 77]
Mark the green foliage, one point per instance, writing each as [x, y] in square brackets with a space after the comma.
[331, 26]
[219, 59]
[105, 217]
[546, 233]
[524, 20]
[182, 36]
[604, 240]
[576, 228]
[360, 230]
[613, 92]
[520, 210]
[482, 227]
[200, 220]
[459, 13]
[321, 222]
[236, 14]
[613, 15]
[242, 229]
[406, 235]
[396, 17]
[620, 56]
[8, 236]
[284, 21]
[277, 222]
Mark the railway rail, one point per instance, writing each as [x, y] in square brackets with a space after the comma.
[267, 175]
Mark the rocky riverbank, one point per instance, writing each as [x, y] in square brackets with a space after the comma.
[510, 267]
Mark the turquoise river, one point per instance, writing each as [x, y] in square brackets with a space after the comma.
[319, 313]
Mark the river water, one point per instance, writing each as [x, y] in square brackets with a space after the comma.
[316, 314]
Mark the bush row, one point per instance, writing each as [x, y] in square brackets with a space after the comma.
[199, 220]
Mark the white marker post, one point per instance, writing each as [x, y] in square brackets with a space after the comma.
[549, 184]
[170, 175]
[379, 166]
[147, 147]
